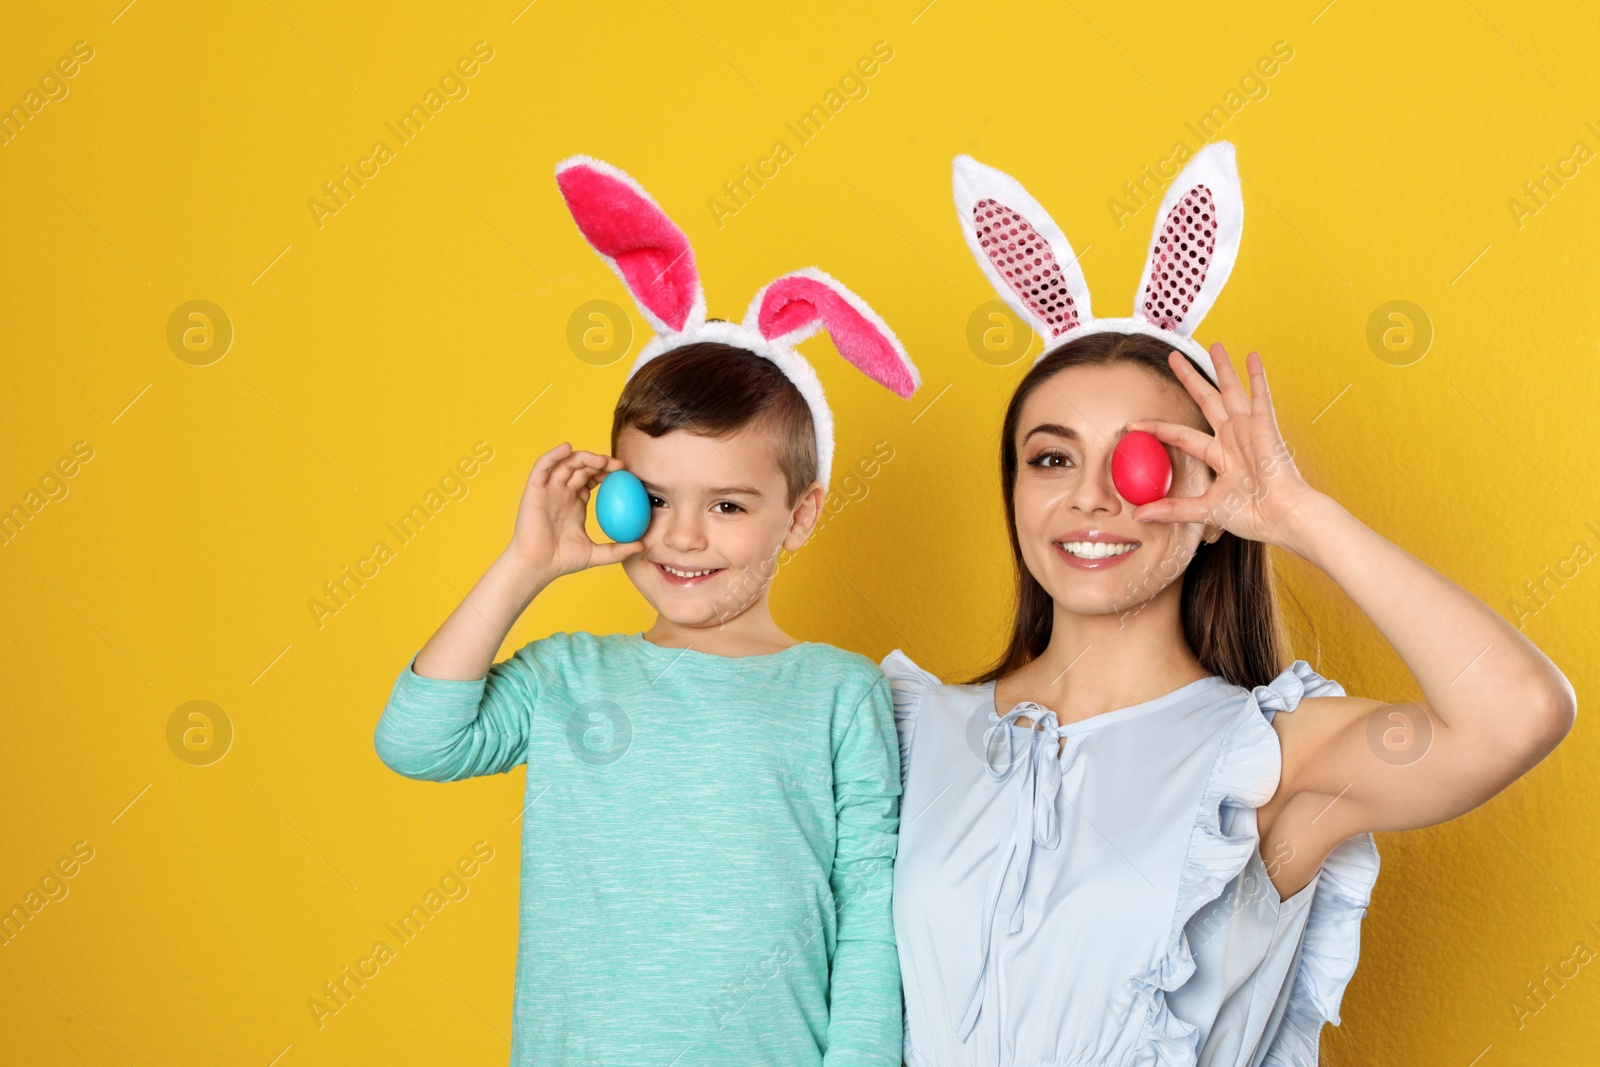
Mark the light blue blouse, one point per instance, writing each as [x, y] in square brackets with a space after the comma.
[1109, 906]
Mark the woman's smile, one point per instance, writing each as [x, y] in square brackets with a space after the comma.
[1094, 549]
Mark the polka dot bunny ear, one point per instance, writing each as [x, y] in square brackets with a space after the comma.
[1195, 243]
[1021, 250]
[1031, 264]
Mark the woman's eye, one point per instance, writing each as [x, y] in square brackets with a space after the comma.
[726, 507]
[1049, 459]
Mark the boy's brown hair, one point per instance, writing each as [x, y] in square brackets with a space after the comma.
[715, 390]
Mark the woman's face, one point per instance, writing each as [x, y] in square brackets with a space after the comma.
[1065, 501]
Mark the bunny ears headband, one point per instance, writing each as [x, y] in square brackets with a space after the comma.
[652, 256]
[1030, 264]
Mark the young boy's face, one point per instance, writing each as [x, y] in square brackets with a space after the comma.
[719, 514]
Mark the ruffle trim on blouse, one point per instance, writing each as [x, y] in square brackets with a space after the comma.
[1330, 952]
[1332, 939]
[907, 684]
[1246, 772]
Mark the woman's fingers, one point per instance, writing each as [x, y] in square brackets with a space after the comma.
[1185, 438]
[1173, 509]
[1200, 388]
[1260, 395]
[1234, 397]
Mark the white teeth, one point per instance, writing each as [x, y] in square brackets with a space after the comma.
[676, 573]
[1096, 549]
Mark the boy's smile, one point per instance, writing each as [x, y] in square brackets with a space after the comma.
[686, 576]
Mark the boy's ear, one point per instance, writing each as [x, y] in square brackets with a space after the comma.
[803, 519]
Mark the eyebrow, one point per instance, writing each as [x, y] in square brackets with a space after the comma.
[1055, 429]
[725, 490]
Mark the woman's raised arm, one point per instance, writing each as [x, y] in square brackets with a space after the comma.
[1493, 706]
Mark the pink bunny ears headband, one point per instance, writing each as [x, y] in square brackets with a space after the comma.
[1030, 264]
[652, 256]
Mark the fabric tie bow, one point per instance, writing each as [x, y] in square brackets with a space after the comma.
[1038, 774]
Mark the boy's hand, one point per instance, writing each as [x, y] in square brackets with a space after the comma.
[550, 537]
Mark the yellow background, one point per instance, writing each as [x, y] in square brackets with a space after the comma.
[428, 314]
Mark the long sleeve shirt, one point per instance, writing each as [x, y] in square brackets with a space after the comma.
[707, 853]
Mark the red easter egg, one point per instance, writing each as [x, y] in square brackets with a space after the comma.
[1140, 468]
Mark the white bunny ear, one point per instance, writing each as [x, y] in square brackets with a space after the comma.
[1022, 251]
[1195, 243]
[632, 233]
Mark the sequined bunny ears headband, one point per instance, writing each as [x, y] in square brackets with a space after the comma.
[653, 259]
[1032, 266]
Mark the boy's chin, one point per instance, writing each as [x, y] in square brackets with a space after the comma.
[699, 608]
[694, 620]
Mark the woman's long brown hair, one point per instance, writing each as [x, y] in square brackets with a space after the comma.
[1229, 608]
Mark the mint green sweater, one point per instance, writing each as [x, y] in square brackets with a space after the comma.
[707, 847]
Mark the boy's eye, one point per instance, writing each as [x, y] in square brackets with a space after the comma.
[726, 507]
[1050, 458]
[657, 502]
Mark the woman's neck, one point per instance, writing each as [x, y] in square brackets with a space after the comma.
[1100, 663]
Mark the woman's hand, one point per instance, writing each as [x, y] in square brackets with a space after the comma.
[1257, 493]
[550, 538]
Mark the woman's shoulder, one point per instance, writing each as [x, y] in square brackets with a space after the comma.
[913, 688]
[904, 674]
[1249, 756]
[912, 684]
[1290, 686]
[1244, 714]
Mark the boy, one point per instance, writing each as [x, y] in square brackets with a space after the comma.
[711, 805]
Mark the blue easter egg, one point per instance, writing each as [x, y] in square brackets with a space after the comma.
[622, 507]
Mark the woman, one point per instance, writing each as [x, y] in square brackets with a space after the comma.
[1139, 838]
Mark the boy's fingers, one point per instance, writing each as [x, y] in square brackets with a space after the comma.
[584, 477]
[616, 553]
[559, 462]
[578, 461]
[541, 467]
[591, 459]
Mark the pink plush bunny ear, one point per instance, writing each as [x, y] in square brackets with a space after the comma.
[1195, 243]
[1022, 251]
[795, 306]
[633, 234]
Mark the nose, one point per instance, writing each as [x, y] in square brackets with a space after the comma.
[1095, 491]
[681, 530]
